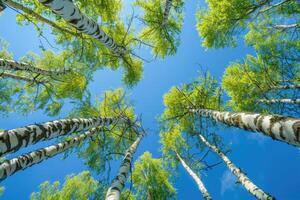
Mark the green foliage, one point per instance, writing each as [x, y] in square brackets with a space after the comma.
[163, 38]
[204, 92]
[50, 94]
[108, 144]
[81, 186]
[151, 180]
[220, 24]
[83, 48]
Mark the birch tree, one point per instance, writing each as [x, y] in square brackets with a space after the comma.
[220, 24]
[163, 22]
[205, 103]
[108, 147]
[46, 87]
[256, 86]
[15, 139]
[118, 183]
[84, 47]
[173, 145]
[241, 176]
[10, 167]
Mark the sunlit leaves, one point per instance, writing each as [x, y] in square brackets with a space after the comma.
[150, 179]
[162, 38]
[81, 186]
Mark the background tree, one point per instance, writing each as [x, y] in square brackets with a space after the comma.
[161, 34]
[81, 186]
[151, 179]
[175, 148]
[220, 24]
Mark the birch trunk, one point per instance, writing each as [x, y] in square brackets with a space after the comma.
[287, 101]
[114, 191]
[14, 165]
[37, 16]
[194, 176]
[243, 179]
[21, 66]
[21, 78]
[278, 127]
[69, 12]
[167, 11]
[15, 139]
[285, 87]
[286, 26]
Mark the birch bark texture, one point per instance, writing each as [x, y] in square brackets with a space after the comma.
[118, 183]
[15, 139]
[21, 66]
[278, 127]
[286, 101]
[243, 179]
[167, 10]
[70, 13]
[195, 177]
[9, 167]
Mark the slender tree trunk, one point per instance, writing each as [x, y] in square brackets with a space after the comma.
[15, 139]
[39, 17]
[22, 162]
[114, 192]
[167, 11]
[21, 66]
[243, 179]
[69, 12]
[287, 101]
[278, 127]
[285, 87]
[286, 26]
[21, 78]
[197, 179]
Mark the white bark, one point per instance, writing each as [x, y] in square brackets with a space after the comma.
[286, 26]
[285, 87]
[278, 127]
[167, 11]
[15, 139]
[69, 12]
[196, 178]
[287, 101]
[9, 167]
[118, 183]
[243, 179]
[21, 66]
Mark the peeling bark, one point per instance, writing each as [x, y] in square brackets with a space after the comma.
[69, 12]
[15, 139]
[278, 127]
[118, 183]
[21, 66]
[9, 167]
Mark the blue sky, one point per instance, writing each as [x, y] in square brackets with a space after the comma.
[271, 165]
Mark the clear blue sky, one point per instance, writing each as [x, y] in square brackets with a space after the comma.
[271, 165]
